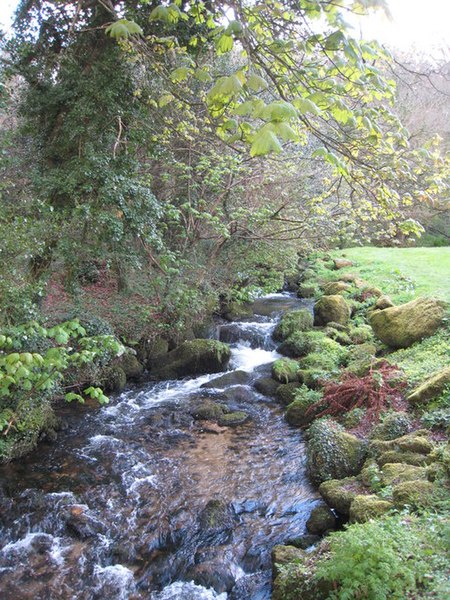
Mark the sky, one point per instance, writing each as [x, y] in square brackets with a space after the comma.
[422, 25]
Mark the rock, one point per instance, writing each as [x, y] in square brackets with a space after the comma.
[401, 326]
[409, 458]
[335, 287]
[266, 386]
[81, 523]
[292, 322]
[340, 493]
[321, 519]
[150, 350]
[415, 494]
[233, 419]
[297, 413]
[431, 388]
[364, 508]
[341, 263]
[282, 555]
[333, 453]
[232, 378]
[291, 282]
[361, 358]
[285, 393]
[113, 379]
[306, 290]
[195, 357]
[216, 517]
[371, 292]
[132, 368]
[285, 370]
[393, 426]
[236, 311]
[295, 579]
[414, 442]
[383, 302]
[208, 411]
[304, 541]
[395, 473]
[348, 277]
[212, 574]
[331, 308]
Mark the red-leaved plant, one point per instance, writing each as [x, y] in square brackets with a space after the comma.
[374, 392]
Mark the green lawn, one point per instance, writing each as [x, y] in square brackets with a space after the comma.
[403, 273]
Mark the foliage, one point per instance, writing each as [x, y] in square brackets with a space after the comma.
[374, 391]
[389, 558]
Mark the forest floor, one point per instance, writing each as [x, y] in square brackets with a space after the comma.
[403, 273]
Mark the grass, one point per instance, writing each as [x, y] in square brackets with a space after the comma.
[402, 273]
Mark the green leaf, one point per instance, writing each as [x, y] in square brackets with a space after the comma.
[202, 75]
[179, 74]
[123, 29]
[235, 27]
[305, 106]
[264, 143]
[257, 83]
[224, 43]
[72, 396]
[165, 99]
[279, 111]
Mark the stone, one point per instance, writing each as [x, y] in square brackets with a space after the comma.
[282, 555]
[207, 411]
[367, 507]
[297, 413]
[332, 453]
[285, 370]
[340, 493]
[395, 473]
[414, 442]
[285, 393]
[304, 541]
[415, 494]
[132, 368]
[236, 311]
[113, 379]
[335, 287]
[383, 302]
[331, 308]
[431, 388]
[195, 357]
[266, 386]
[393, 426]
[409, 458]
[321, 519]
[401, 326]
[306, 290]
[371, 292]
[341, 263]
[150, 350]
[231, 378]
[217, 516]
[232, 419]
[292, 322]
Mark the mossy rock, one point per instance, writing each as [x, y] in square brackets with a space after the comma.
[285, 370]
[217, 516]
[297, 413]
[149, 350]
[292, 322]
[266, 386]
[131, 366]
[195, 357]
[393, 426]
[415, 494]
[321, 519]
[333, 453]
[304, 541]
[414, 442]
[342, 263]
[307, 290]
[335, 287]
[113, 379]
[361, 334]
[431, 388]
[235, 311]
[340, 493]
[383, 302]
[282, 555]
[285, 393]
[233, 419]
[341, 337]
[302, 343]
[395, 473]
[229, 379]
[409, 458]
[208, 411]
[331, 308]
[293, 572]
[361, 358]
[401, 326]
[371, 292]
[364, 508]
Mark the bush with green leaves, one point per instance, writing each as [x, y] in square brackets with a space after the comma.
[392, 558]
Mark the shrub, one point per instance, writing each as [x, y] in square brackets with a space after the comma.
[389, 559]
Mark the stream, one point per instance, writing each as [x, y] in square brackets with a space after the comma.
[137, 500]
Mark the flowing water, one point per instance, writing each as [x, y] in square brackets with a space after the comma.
[138, 500]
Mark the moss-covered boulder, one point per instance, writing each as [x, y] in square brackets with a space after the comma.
[383, 302]
[332, 452]
[340, 493]
[208, 411]
[414, 442]
[335, 287]
[291, 322]
[431, 388]
[321, 519]
[304, 541]
[393, 426]
[408, 458]
[232, 419]
[415, 494]
[285, 393]
[150, 350]
[342, 263]
[282, 555]
[266, 386]
[235, 311]
[307, 290]
[360, 359]
[113, 379]
[285, 370]
[401, 326]
[231, 378]
[195, 357]
[364, 508]
[395, 473]
[331, 308]
[294, 576]
[131, 366]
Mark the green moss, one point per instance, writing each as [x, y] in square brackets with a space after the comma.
[233, 419]
[409, 458]
[304, 398]
[285, 370]
[335, 287]
[321, 519]
[340, 493]
[195, 357]
[392, 426]
[293, 322]
[113, 379]
[415, 494]
[431, 389]
[285, 393]
[364, 508]
[395, 473]
[208, 411]
[307, 290]
[331, 308]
